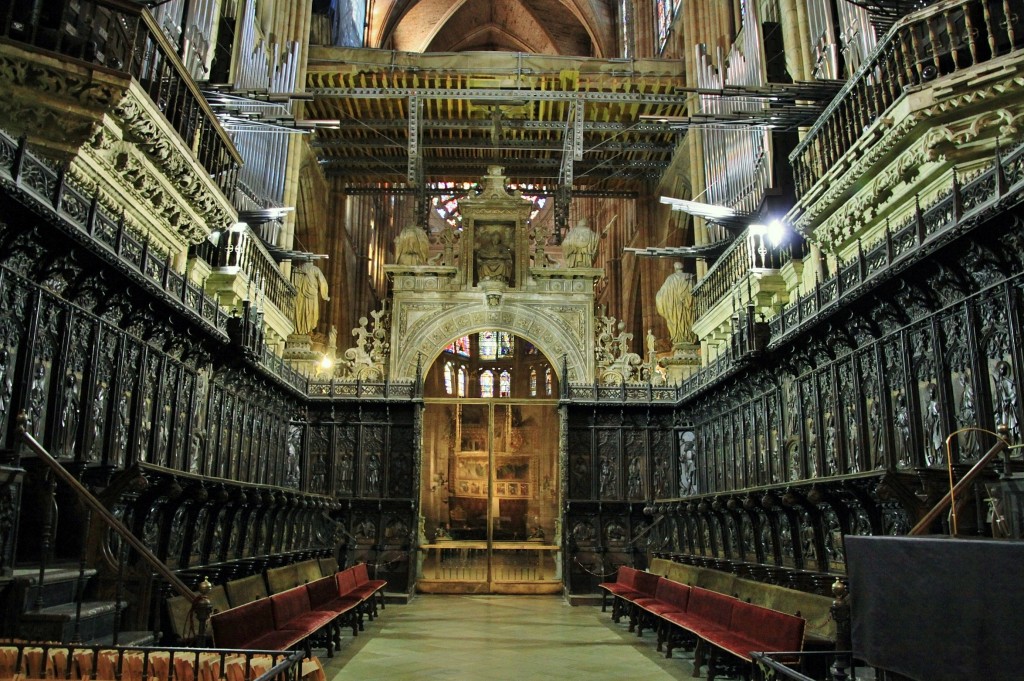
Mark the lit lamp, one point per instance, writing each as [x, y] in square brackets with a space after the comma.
[763, 243]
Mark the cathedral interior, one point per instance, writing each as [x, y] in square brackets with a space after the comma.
[511, 298]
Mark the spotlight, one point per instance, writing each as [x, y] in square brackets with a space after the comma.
[776, 232]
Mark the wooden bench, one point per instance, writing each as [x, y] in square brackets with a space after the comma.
[716, 624]
[290, 576]
[316, 611]
[820, 631]
[629, 585]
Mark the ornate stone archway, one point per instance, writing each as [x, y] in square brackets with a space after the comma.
[421, 329]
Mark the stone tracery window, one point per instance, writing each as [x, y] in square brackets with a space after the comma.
[448, 377]
[505, 384]
[533, 382]
[446, 203]
[487, 384]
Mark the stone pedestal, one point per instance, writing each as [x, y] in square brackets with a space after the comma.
[684, 361]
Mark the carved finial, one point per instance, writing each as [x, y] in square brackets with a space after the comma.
[22, 420]
[840, 590]
[205, 587]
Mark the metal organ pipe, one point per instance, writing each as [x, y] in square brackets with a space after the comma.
[735, 161]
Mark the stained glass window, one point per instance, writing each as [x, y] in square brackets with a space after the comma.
[462, 346]
[664, 12]
[462, 382]
[505, 384]
[533, 382]
[487, 344]
[505, 344]
[487, 384]
[548, 381]
[450, 347]
[448, 377]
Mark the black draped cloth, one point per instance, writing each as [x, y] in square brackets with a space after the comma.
[938, 608]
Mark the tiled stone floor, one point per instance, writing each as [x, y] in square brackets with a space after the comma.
[498, 638]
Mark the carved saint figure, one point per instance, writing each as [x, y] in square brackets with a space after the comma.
[1006, 400]
[493, 259]
[69, 415]
[674, 302]
[412, 247]
[373, 473]
[634, 484]
[933, 449]
[6, 388]
[311, 285]
[580, 245]
[966, 416]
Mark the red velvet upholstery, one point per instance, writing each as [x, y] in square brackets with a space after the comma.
[753, 628]
[669, 596]
[322, 591]
[346, 582]
[625, 580]
[363, 577]
[707, 612]
[292, 610]
[252, 626]
[646, 584]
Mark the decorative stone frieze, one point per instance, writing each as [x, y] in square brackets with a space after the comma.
[116, 143]
[952, 123]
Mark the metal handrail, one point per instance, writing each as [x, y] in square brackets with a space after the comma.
[1001, 445]
[200, 602]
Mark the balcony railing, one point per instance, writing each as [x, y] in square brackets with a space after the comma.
[750, 252]
[241, 249]
[122, 36]
[919, 233]
[942, 39]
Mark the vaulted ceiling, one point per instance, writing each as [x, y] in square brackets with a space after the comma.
[583, 28]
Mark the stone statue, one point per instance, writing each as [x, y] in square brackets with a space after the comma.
[580, 245]
[310, 285]
[412, 247]
[493, 259]
[674, 302]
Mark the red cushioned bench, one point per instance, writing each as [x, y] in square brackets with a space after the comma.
[625, 579]
[297, 616]
[669, 596]
[754, 628]
[719, 624]
[324, 596]
[371, 589]
[629, 585]
[251, 627]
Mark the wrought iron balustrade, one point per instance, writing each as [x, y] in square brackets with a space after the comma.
[937, 41]
[134, 566]
[900, 245]
[123, 36]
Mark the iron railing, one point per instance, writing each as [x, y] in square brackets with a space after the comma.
[753, 251]
[123, 36]
[923, 231]
[240, 249]
[937, 41]
[200, 602]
